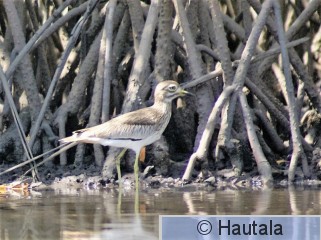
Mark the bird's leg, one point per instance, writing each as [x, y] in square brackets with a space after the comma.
[120, 155]
[136, 170]
[136, 204]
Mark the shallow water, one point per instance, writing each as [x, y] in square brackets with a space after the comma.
[106, 214]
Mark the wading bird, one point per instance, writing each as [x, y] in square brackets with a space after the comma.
[134, 130]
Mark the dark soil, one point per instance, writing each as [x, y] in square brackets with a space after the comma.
[89, 177]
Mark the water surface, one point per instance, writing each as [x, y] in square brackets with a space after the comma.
[104, 214]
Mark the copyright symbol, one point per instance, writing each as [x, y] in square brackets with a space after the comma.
[204, 227]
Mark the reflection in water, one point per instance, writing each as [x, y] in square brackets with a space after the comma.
[85, 214]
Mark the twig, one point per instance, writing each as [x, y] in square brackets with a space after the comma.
[121, 38]
[31, 42]
[205, 95]
[60, 22]
[43, 72]
[228, 75]
[207, 37]
[96, 100]
[37, 157]
[302, 18]
[280, 114]
[63, 149]
[246, 17]
[15, 115]
[299, 67]
[257, 58]
[208, 132]
[240, 76]
[276, 142]
[165, 47]
[289, 93]
[221, 42]
[209, 51]
[108, 62]
[193, 54]
[74, 36]
[248, 52]
[276, 49]
[28, 81]
[137, 76]
[261, 161]
[137, 20]
[234, 27]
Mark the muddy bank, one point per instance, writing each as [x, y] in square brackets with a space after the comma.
[89, 177]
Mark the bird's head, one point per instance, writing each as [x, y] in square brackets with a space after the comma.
[168, 90]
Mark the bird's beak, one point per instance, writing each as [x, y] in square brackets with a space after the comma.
[184, 92]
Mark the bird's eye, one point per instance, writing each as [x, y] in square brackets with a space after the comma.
[172, 88]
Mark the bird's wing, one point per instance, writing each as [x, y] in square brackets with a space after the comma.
[134, 125]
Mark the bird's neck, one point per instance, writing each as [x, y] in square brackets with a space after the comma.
[163, 106]
[164, 112]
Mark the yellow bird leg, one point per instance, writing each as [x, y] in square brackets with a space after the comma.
[120, 155]
[136, 204]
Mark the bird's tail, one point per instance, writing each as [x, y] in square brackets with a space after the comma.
[70, 139]
[77, 136]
